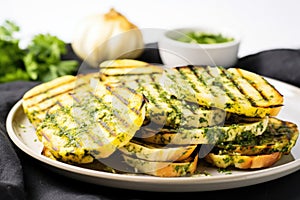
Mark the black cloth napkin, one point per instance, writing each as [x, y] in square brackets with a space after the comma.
[24, 178]
[280, 64]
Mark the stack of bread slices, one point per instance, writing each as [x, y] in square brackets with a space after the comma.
[162, 121]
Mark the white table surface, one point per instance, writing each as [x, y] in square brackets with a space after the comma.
[263, 24]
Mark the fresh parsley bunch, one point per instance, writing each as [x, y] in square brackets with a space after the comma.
[40, 61]
[11, 56]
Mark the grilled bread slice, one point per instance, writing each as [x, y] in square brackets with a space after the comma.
[243, 161]
[234, 90]
[280, 136]
[257, 152]
[128, 69]
[163, 108]
[100, 119]
[204, 135]
[155, 152]
[164, 169]
[38, 100]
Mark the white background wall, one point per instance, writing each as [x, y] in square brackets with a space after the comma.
[263, 24]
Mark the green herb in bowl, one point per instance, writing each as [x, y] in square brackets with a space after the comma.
[204, 38]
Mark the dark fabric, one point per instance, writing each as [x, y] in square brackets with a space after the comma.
[281, 64]
[24, 178]
[11, 174]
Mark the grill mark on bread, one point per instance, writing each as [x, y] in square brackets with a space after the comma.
[228, 89]
[264, 94]
[122, 67]
[220, 83]
[74, 97]
[152, 78]
[121, 119]
[125, 101]
[59, 103]
[49, 98]
[204, 84]
[51, 88]
[185, 77]
[55, 95]
[200, 78]
[162, 94]
[253, 85]
[242, 90]
[229, 77]
[56, 103]
[107, 128]
[129, 74]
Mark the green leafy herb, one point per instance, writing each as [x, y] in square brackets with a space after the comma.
[204, 38]
[224, 171]
[40, 61]
[43, 60]
[11, 63]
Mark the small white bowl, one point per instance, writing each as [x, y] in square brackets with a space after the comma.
[176, 53]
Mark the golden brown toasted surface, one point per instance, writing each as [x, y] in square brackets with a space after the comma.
[100, 121]
[53, 94]
[256, 152]
[79, 118]
[226, 89]
[235, 90]
[279, 136]
[124, 70]
[243, 162]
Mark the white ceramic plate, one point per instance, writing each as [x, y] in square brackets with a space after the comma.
[23, 135]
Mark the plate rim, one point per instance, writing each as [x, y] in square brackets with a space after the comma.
[268, 173]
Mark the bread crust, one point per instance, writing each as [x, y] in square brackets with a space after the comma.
[164, 169]
[243, 162]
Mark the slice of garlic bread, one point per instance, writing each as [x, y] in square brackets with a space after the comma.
[155, 152]
[37, 101]
[234, 92]
[243, 162]
[205, 135]
[165, 109]
[256, 152]
[280, 136]
[123, 70]
[99, 121]
[164, 169]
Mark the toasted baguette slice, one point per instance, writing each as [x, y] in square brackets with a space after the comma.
[154, 152]
[206, 135]
[164, 169]
[280, 136]
[243, 162]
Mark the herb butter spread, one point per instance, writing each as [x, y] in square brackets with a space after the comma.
[204, 38]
